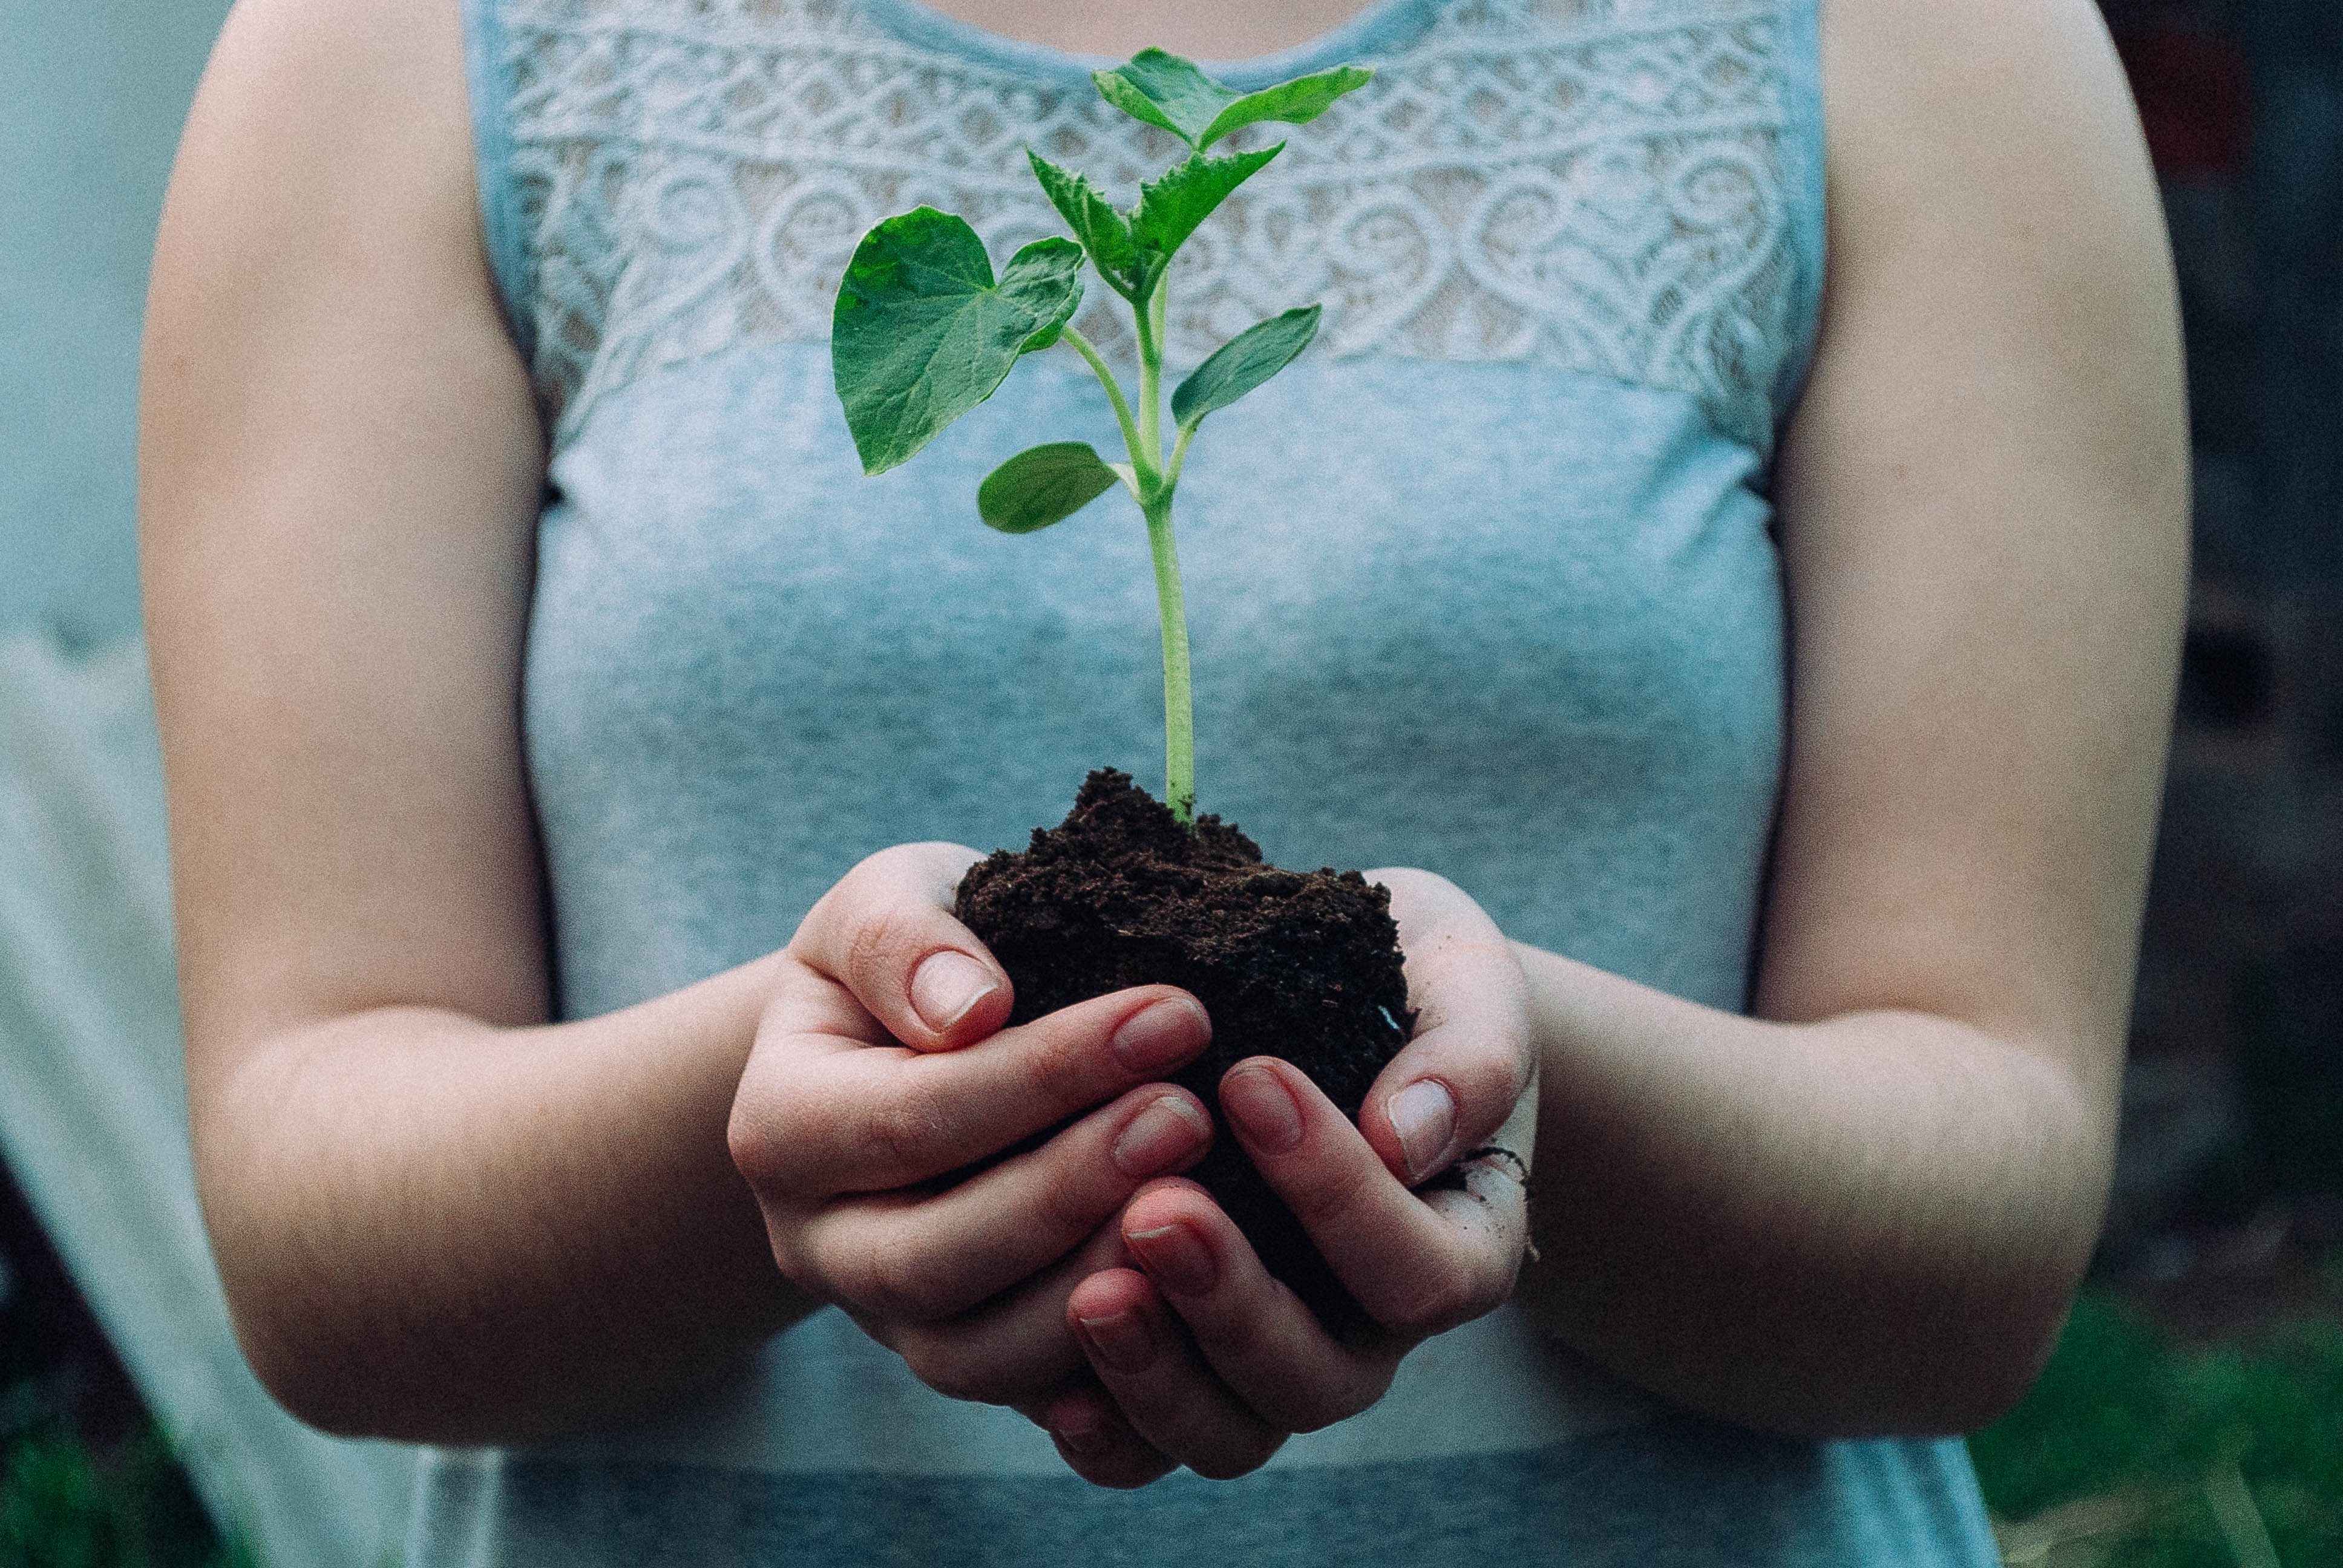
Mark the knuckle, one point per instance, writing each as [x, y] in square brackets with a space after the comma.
[898, 1136]
[1070, 1206]
[890, 1283]
[763, 1151]
[1056, 1068]
[875, 942]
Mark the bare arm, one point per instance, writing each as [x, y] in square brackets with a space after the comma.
[1869, 1214]
[435, 1215]
[438, 1216]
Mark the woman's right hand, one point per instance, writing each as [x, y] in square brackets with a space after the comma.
[881, 1067]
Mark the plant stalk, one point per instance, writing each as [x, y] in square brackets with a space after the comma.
[1148, 318]
[1130, 442]
[1142, 437]
[1179, 704]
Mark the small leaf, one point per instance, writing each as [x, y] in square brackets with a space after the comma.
[1165, 90]
[1170, 209]
[921, 334]
[1103, 231]
[1043, 484]
[1244, 363]
[1294, 102]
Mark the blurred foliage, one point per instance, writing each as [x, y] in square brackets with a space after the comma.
[2145, 1450]
[64, 1506]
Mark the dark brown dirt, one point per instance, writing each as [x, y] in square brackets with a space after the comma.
[1301, 966]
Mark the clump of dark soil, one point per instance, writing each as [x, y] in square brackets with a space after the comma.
[1301, 966]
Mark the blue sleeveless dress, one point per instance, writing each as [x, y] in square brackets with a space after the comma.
[1483, 583]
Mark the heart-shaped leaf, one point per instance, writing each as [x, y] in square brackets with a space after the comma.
[1244, 363]
[1043, 484]
[1170, 209]
[1103, 231]
[1165, 90]
[921, 334]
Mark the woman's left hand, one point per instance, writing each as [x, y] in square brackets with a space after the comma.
[1203, 1358]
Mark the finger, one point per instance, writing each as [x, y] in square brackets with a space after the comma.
[1167, 1391]
[876, 1119]
[1254, 1331]
[1418, 1262]
[1098, 1443]
[921, 1256]
[1471, 1060]
[886, 932]
[1014, 1349]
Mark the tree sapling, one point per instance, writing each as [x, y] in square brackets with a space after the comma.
[1128, 892]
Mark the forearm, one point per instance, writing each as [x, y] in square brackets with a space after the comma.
[1870, 1223]
[433, 1228]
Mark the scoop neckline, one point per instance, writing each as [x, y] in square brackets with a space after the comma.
[1373, 28]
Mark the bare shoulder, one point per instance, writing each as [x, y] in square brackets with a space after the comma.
[301, 83]
[326, 161]
[2004, 126]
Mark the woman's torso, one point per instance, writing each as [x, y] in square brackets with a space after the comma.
[1483, 583]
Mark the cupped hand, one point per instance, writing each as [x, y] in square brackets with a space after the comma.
[880, 1071]
[1203, 1358]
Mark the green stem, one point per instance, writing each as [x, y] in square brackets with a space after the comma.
[1142, 462]
[1148, 318]
[1179, 704]
[1180, 453]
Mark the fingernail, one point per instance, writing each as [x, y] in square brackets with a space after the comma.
[1166, 1132]
[1175, 1258]
[1162, 1036]
[1425, 1117]
[1122, 1340]
[1258, 1103]
[945, 986]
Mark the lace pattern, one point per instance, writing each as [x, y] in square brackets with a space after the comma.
[1592, 184]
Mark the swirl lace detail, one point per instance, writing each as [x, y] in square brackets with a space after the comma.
[1592, 184]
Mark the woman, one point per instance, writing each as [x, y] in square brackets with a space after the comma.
[527, 649]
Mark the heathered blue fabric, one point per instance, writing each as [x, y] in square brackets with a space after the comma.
[1519, 622]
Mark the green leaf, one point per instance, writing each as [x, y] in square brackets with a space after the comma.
[1043, 484]
[1294, 102]
[1165, 90]
[1103, 231]
[1170, 209]
[1244, 363]
[921, 334]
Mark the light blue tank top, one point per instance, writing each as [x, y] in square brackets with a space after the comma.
[1485, 583]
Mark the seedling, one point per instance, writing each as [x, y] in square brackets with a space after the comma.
[924, 331]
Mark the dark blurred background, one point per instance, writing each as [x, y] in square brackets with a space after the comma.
[2234, 1106]
[2227, 1223]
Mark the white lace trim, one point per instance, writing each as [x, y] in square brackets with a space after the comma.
[1591, 185]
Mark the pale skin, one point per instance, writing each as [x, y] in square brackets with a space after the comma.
[1863, 1210]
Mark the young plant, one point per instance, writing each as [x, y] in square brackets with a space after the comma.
[924, 331]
